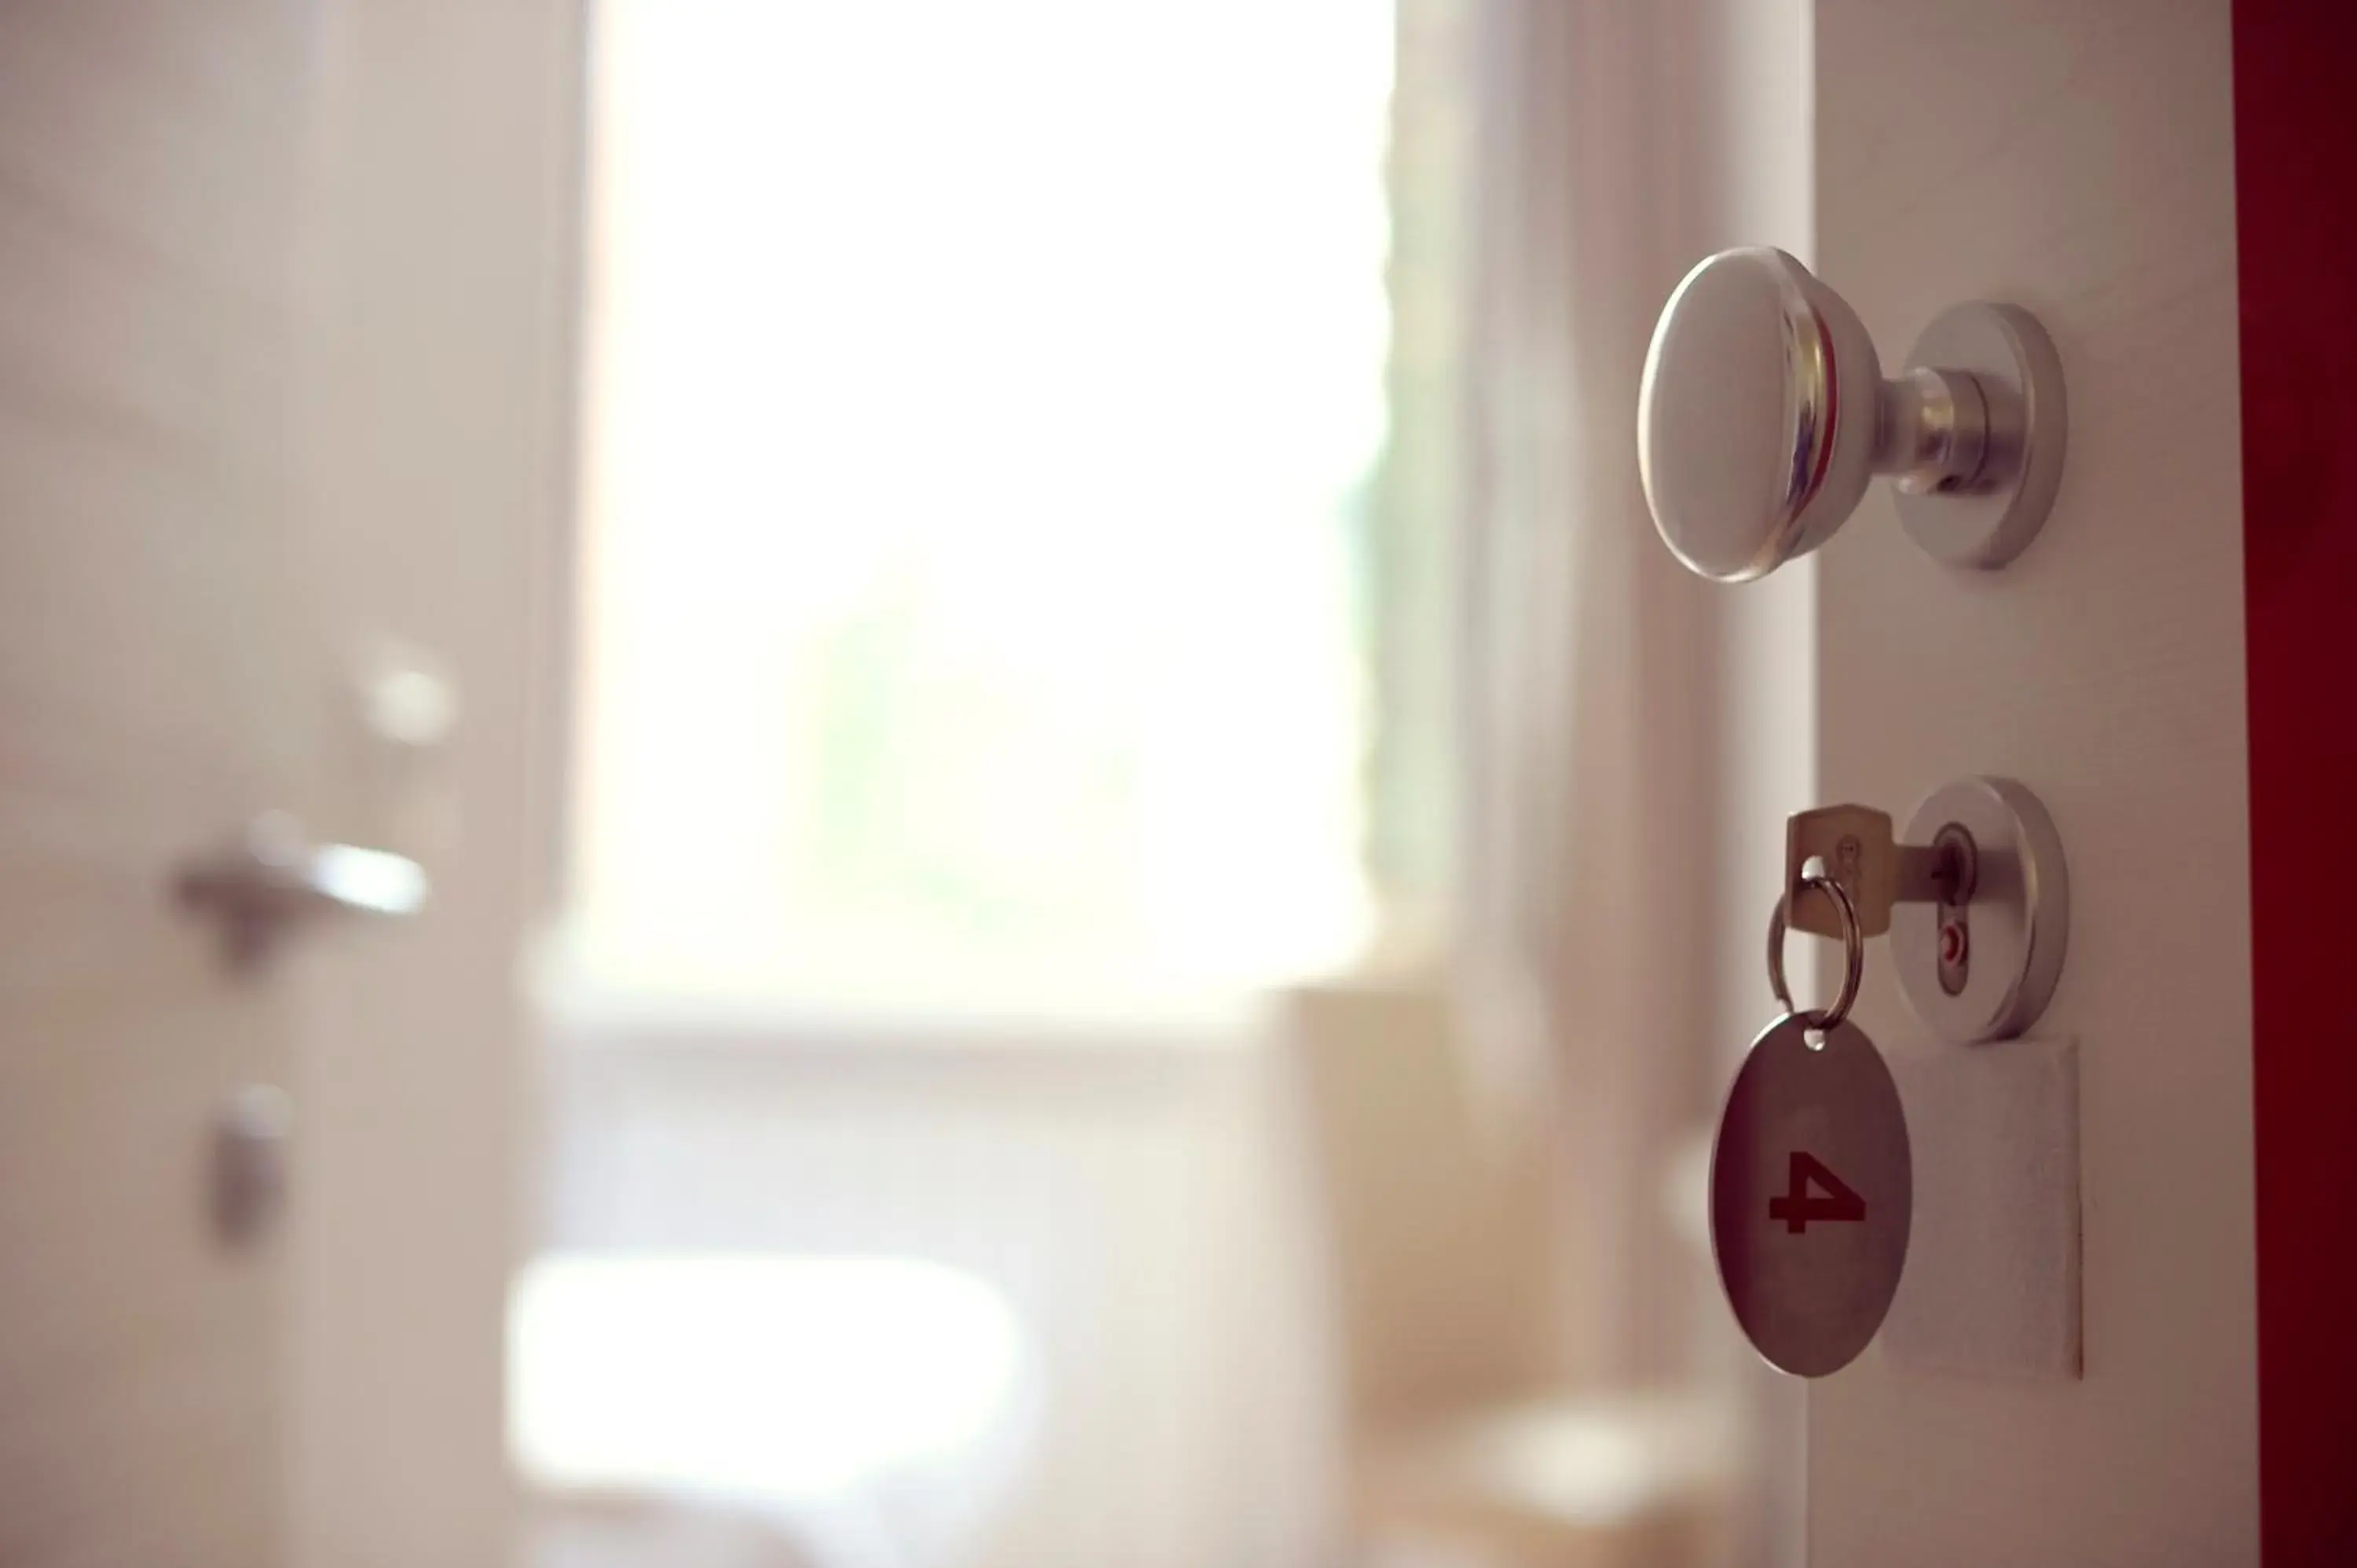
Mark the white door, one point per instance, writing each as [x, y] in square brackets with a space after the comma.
[2077, 160]
[278, 382]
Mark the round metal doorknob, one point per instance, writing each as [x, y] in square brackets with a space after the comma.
[1763, 413]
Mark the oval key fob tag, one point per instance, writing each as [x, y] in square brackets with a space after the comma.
[1812, 1190]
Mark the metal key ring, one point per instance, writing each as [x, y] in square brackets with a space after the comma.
[1853, 957]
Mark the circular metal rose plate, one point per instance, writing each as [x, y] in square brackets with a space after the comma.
[2019, 373]
[1812, 1190]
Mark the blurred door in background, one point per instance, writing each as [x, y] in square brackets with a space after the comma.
[282, 335]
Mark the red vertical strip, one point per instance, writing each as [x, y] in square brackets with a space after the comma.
[2296, 193]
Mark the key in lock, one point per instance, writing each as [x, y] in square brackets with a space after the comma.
[1857, 846]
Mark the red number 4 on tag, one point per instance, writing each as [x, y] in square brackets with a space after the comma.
[1796, 1207]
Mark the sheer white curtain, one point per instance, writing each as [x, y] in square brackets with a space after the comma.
[1604, 791]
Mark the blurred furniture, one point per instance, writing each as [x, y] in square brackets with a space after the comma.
[1460, 1443]
[566, 1527]
[1114, 1182]
[839, 1412]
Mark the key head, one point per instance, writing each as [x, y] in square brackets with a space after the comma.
[1858, 848]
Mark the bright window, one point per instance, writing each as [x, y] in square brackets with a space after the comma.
[983, 402]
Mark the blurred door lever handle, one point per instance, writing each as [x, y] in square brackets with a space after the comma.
[275, 880]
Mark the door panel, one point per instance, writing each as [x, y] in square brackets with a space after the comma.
[150, 701]
[2077, 160]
